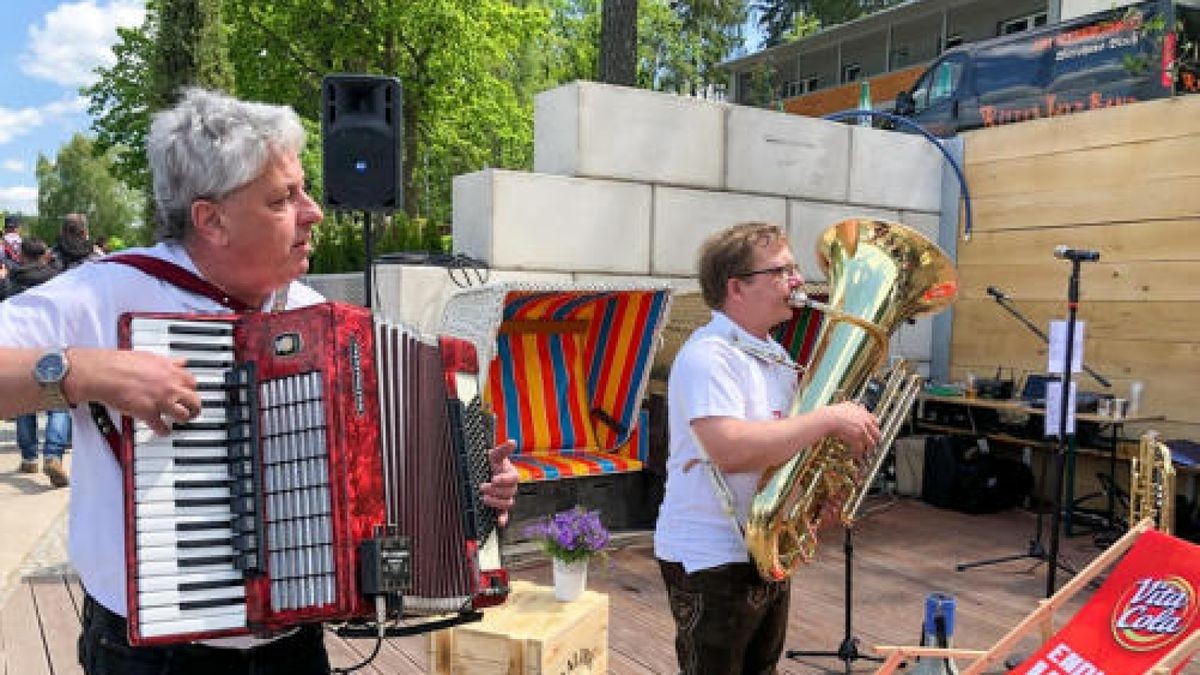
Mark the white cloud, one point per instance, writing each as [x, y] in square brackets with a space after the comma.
[16, 122]
[74, 38]
[14, 165]
[19, 199]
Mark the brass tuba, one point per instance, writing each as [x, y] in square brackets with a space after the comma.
[1152, 484]
[880, 274]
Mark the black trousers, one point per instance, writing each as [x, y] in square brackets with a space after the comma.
[104, 649]
[727, 619]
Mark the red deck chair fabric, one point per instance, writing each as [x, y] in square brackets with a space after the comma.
[1146, 606]
[1142, 619]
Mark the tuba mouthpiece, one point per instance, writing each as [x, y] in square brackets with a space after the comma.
[799, 299]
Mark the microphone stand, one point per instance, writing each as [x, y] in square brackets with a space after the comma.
[1064, 444]
[1037, 550]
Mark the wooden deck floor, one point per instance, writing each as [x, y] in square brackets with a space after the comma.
[902, 552]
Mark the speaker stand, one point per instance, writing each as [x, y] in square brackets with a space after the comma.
[369, 262]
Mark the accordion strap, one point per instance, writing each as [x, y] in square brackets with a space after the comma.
[182, 278]
[178, 276]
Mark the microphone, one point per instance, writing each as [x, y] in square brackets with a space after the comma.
[996, 293]
[1077, 254]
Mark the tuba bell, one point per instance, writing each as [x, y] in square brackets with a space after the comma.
[880, 274]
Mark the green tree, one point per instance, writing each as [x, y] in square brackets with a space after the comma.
[470, 71]
[180, 43]
[683, 41]
[454, 58]
[81, 180]
[189, 49]
[119, 105]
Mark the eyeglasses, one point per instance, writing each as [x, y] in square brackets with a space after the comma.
[778, 272]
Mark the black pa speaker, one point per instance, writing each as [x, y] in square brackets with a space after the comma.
[362, 129]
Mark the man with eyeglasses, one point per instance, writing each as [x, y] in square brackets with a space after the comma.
[728, 394]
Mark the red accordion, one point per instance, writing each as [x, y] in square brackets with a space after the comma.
[335, 463]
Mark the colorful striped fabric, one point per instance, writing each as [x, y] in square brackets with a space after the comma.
[567, 377]
[799, 334]
[537, 466]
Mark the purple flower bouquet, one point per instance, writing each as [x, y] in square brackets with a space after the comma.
[571, 536]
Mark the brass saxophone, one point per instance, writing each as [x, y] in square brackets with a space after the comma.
[880, 274]
[1152, 483]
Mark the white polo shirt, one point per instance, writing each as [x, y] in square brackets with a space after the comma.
[713, 377]
[80, 308]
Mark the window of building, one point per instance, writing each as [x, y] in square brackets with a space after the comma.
[804, 85]
[851, 72]
[1022, 23]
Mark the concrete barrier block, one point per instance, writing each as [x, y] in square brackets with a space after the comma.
[604, 131]
[894, 170]
[784, 154]
[913, 341]
[807, 220]
[927, 224]
[683, 219]
[530, 221]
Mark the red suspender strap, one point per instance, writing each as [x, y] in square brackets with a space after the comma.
[177, 276]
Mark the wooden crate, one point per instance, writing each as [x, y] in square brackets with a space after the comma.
[531, 634]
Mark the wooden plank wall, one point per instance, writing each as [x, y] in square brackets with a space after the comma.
[1124, 181]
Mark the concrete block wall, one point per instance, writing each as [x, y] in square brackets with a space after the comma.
[627, 183]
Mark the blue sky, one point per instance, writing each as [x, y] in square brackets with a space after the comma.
[48, 51]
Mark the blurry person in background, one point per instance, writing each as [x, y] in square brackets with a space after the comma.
[74, 244]
[33, 269]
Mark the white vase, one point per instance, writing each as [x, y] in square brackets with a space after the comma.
[569, 579]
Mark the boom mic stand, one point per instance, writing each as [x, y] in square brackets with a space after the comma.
[1003, 301]
[1036, 550]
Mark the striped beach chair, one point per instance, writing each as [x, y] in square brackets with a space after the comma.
[567, 370]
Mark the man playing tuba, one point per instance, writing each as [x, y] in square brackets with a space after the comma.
[729, 392]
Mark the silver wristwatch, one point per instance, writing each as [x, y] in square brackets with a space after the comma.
[49, 371]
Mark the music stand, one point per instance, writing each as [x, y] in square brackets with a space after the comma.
[847, 650]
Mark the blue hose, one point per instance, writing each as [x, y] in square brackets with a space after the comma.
[907, 123]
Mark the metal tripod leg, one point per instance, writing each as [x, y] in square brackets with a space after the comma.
[847, 652]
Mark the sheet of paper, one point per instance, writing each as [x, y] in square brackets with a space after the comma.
[1054, 408]
[1058, 346]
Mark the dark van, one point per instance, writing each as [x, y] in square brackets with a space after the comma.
[1135, 53]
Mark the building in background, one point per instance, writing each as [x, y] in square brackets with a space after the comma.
[822, 73]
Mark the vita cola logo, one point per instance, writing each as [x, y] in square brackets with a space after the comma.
[1153, 612]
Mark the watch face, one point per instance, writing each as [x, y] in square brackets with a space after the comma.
[50, 368]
